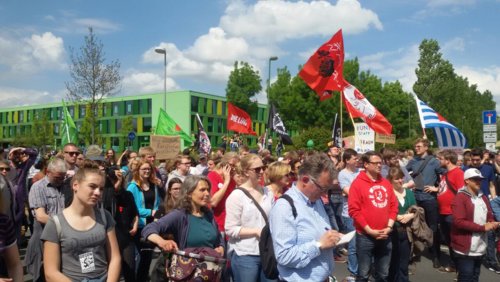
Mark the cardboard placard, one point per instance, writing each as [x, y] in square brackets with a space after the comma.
[166, 147]
[387, 139]
[365, 138]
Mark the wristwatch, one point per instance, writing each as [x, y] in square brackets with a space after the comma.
[318, 244]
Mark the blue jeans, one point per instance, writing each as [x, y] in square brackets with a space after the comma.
[331, 216]
[468, 268]
[247, 269]
[400, 257]
[432, 219]
[352, 260]
[369, 249]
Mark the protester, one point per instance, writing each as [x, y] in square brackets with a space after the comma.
[182, 167]
[222, 183]
[479, 161]
[192, 223]
[111, 157]
[144, 188]
[346, 177]
[278, 178]
[120, 203]
[373, 207]
[451, 182]
[173, 196]
[425, 170]
[70, 153]
[80, 242]
[9, 253]
[202, 164]
[303, 245]
[46, 199]
[400, 256]
[472, 219]
[244, 221]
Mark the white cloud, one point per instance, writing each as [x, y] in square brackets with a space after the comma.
[485, 79]
[10, 97]
[33, 54]
[280, 20]
[455, 44]
[216, 46]
[394, 65]
[145, 82]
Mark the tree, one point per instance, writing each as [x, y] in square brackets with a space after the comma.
[127, 127]
[42, 131]
[92, 79]
[244, 83]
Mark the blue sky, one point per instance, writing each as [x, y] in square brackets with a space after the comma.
[203, 39]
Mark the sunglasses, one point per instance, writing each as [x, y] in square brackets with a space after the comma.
[258, 169]
[72, 154]
[5, 168]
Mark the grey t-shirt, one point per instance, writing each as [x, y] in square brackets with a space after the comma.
[83, 253]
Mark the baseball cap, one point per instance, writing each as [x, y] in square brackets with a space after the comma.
[472, 173]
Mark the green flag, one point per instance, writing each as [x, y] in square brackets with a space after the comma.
[69, 133]
[167, 126]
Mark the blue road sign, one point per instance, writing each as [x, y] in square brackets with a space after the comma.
[131, 136]
[490, 117]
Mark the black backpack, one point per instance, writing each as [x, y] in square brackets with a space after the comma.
[266, 249]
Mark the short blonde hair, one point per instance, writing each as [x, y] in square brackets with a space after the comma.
[277, 170]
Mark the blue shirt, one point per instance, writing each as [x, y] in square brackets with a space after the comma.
[430, 175]
[294, 240]
[489, 176]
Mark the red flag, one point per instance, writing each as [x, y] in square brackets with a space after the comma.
[323, 72]
[238, 120]
[358, 106]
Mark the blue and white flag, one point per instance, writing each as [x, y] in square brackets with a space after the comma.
[447, 135]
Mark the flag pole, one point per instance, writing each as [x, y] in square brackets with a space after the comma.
[341, 127]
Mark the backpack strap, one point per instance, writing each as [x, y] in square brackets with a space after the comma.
[448, 183]
[58, 226]
[427, 159]
[290, 201]
[254, 201]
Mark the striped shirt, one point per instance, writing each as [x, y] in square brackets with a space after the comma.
[294, 240]
[44, 195]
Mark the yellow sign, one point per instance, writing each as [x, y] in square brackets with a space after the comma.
[387, 139]
[166, 147]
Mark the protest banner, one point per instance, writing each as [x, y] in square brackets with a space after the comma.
[364, 138]
[166, 147]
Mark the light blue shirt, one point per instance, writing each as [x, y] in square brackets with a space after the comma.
[346, 177]
[294, 240]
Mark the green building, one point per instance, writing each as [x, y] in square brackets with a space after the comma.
[182, 106]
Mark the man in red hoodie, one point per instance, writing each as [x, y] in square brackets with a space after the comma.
[373, 207]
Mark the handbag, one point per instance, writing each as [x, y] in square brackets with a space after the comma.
[195, 264]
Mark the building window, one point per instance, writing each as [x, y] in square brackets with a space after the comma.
[134, 124]
[210, 125]
[56, 128]
[148, 110]
[21, 116]
[83, 109]
[118, 125]
[146, 124]
[128, 107]
[115, 108]
[71, 111]
[194, 104]
[224, 108]
[214, 107]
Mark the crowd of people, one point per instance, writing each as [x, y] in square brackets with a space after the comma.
[92, 215]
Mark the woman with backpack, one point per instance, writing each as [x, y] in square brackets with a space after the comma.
[80, 242]
[245, 219]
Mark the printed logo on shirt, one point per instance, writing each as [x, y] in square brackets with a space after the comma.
[378, 196]
[442, 187]
[87, 262]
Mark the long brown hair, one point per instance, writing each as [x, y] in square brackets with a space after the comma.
[152, 177]
[187, 188]
[169, 203]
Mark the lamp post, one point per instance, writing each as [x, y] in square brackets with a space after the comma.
[164, 52]
[273, 58]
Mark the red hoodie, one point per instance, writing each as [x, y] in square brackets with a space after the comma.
[372, 203]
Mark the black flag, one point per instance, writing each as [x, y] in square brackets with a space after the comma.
[275, 123]
[204, 145]
[336, 133]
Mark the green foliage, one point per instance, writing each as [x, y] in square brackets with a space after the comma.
[244, 83]
[320, 136]
[127, 126]
[42, 131]
[450, 94]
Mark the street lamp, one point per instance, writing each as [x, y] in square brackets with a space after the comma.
[164, 52]
[273, 58]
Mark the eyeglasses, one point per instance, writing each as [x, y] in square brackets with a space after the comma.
[5, 168]
[72, 154]
[376, 163]
[258, 169]
[189, 163]
[322, 188]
